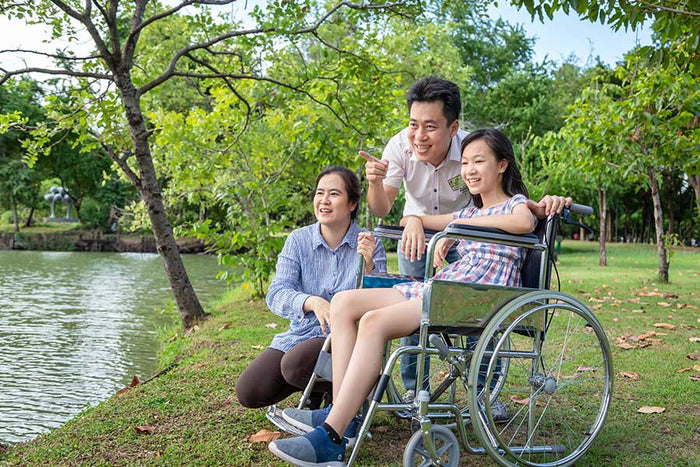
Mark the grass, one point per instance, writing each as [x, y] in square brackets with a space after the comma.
[190, 415]
[49, 228]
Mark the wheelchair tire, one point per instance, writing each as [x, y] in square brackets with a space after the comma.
[559, 383]
[446, 446]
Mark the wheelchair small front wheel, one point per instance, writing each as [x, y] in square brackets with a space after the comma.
[446, 447]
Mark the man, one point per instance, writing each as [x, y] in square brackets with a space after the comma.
[425, 157]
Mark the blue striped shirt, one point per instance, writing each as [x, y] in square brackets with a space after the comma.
[308, 266]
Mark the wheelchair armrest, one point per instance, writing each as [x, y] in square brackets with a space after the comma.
[395, 231]
[492, 235]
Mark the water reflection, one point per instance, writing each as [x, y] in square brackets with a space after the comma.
[75, 327]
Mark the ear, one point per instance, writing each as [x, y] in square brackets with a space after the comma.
[454, 127]
[353, 206]
[502, 166]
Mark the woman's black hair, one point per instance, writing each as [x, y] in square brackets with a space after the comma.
[352, 184]
[512, 182]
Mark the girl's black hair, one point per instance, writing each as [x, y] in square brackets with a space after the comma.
[512, 182]
[352, 184]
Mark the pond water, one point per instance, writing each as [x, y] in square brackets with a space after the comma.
[76, 327]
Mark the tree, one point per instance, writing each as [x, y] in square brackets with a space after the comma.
[114, 111]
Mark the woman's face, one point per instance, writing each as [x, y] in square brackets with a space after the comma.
[331, 205]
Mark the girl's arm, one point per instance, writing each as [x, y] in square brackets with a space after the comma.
[433, 222]
[520, 221]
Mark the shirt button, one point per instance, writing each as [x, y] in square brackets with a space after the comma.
[435, 190]
[435, 207]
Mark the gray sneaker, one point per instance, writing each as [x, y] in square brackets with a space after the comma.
[499, 413]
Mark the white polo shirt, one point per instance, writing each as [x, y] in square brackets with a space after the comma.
[429, 189]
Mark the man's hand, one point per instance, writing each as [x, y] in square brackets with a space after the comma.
[366, 245]
[548, 205]
[441, 249]
[322, 309]
[413, 239]
[375, 169]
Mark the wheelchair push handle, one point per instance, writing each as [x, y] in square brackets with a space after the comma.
[581, 209]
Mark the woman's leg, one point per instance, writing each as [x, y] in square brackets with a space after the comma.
[298, 364]
[375, 328]
[261, 383]
[346, 310]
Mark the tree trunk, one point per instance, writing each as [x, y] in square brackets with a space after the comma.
[28, 222]
[15, 218]
[695, 183]
[659, 224]
[187, 302]
[603, 210]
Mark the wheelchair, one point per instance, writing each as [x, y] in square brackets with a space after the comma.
[539, 353]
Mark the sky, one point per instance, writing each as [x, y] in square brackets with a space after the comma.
[555, 40]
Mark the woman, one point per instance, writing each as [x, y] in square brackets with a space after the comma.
[317, 261]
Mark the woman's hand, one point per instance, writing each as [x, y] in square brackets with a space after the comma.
[366, 244]
[441, 249]
[322, 309]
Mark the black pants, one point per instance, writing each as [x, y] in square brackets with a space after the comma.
[275, 375]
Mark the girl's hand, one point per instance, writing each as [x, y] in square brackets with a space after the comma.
[366, 244]
[441, 249]
[322, 309]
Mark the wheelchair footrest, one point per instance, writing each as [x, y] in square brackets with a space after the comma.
[274, 414]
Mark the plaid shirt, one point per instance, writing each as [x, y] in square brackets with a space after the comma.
[308, 266]
[481, 263]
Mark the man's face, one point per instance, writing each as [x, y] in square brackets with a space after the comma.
[428, 132]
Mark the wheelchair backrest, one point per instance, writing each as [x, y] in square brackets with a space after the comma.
[546, 232]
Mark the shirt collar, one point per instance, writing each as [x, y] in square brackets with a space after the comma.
[350, 237]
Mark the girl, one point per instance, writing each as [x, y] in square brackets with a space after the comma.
[363, 320]
[317, 261]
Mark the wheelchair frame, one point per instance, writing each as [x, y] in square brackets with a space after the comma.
[557, 400]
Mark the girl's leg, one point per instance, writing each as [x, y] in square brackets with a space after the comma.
[346, 310]
[375, 329]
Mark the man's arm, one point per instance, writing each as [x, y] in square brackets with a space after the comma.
[380, 197]
[549, 204]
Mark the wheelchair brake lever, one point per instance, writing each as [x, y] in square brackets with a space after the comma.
[566, 218]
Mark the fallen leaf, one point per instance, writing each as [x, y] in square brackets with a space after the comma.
[144, 428]
[135, 381]
[694, 339]
[683, 370]
[225, 326]
[192, 330]
[664, 304]
[585, 368]
[271, 325]
[696, 367]
[693, 356]
[382, 429]
[687, 326]
[695, 377]
[644, 344]
[647, 409]
[258, 347]
[596, 307]
[123, 390]
[638, 311]
[264, 436]
[665, 326]
[630, 374]
[526, 401]
[174, 338]
[616, 320]
[646, 335]
[625, 346]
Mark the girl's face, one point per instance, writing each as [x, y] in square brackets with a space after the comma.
[481, 171]
[331, 205]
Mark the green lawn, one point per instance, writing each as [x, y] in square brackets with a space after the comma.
[192, 416]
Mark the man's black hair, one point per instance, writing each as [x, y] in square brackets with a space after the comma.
[431, 89]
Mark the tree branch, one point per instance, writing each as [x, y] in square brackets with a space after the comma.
[123, 164]
[50, 55]
[658, 8]
[6, 75]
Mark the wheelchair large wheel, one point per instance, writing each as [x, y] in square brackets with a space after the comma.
[446, 447]
[559, 382]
